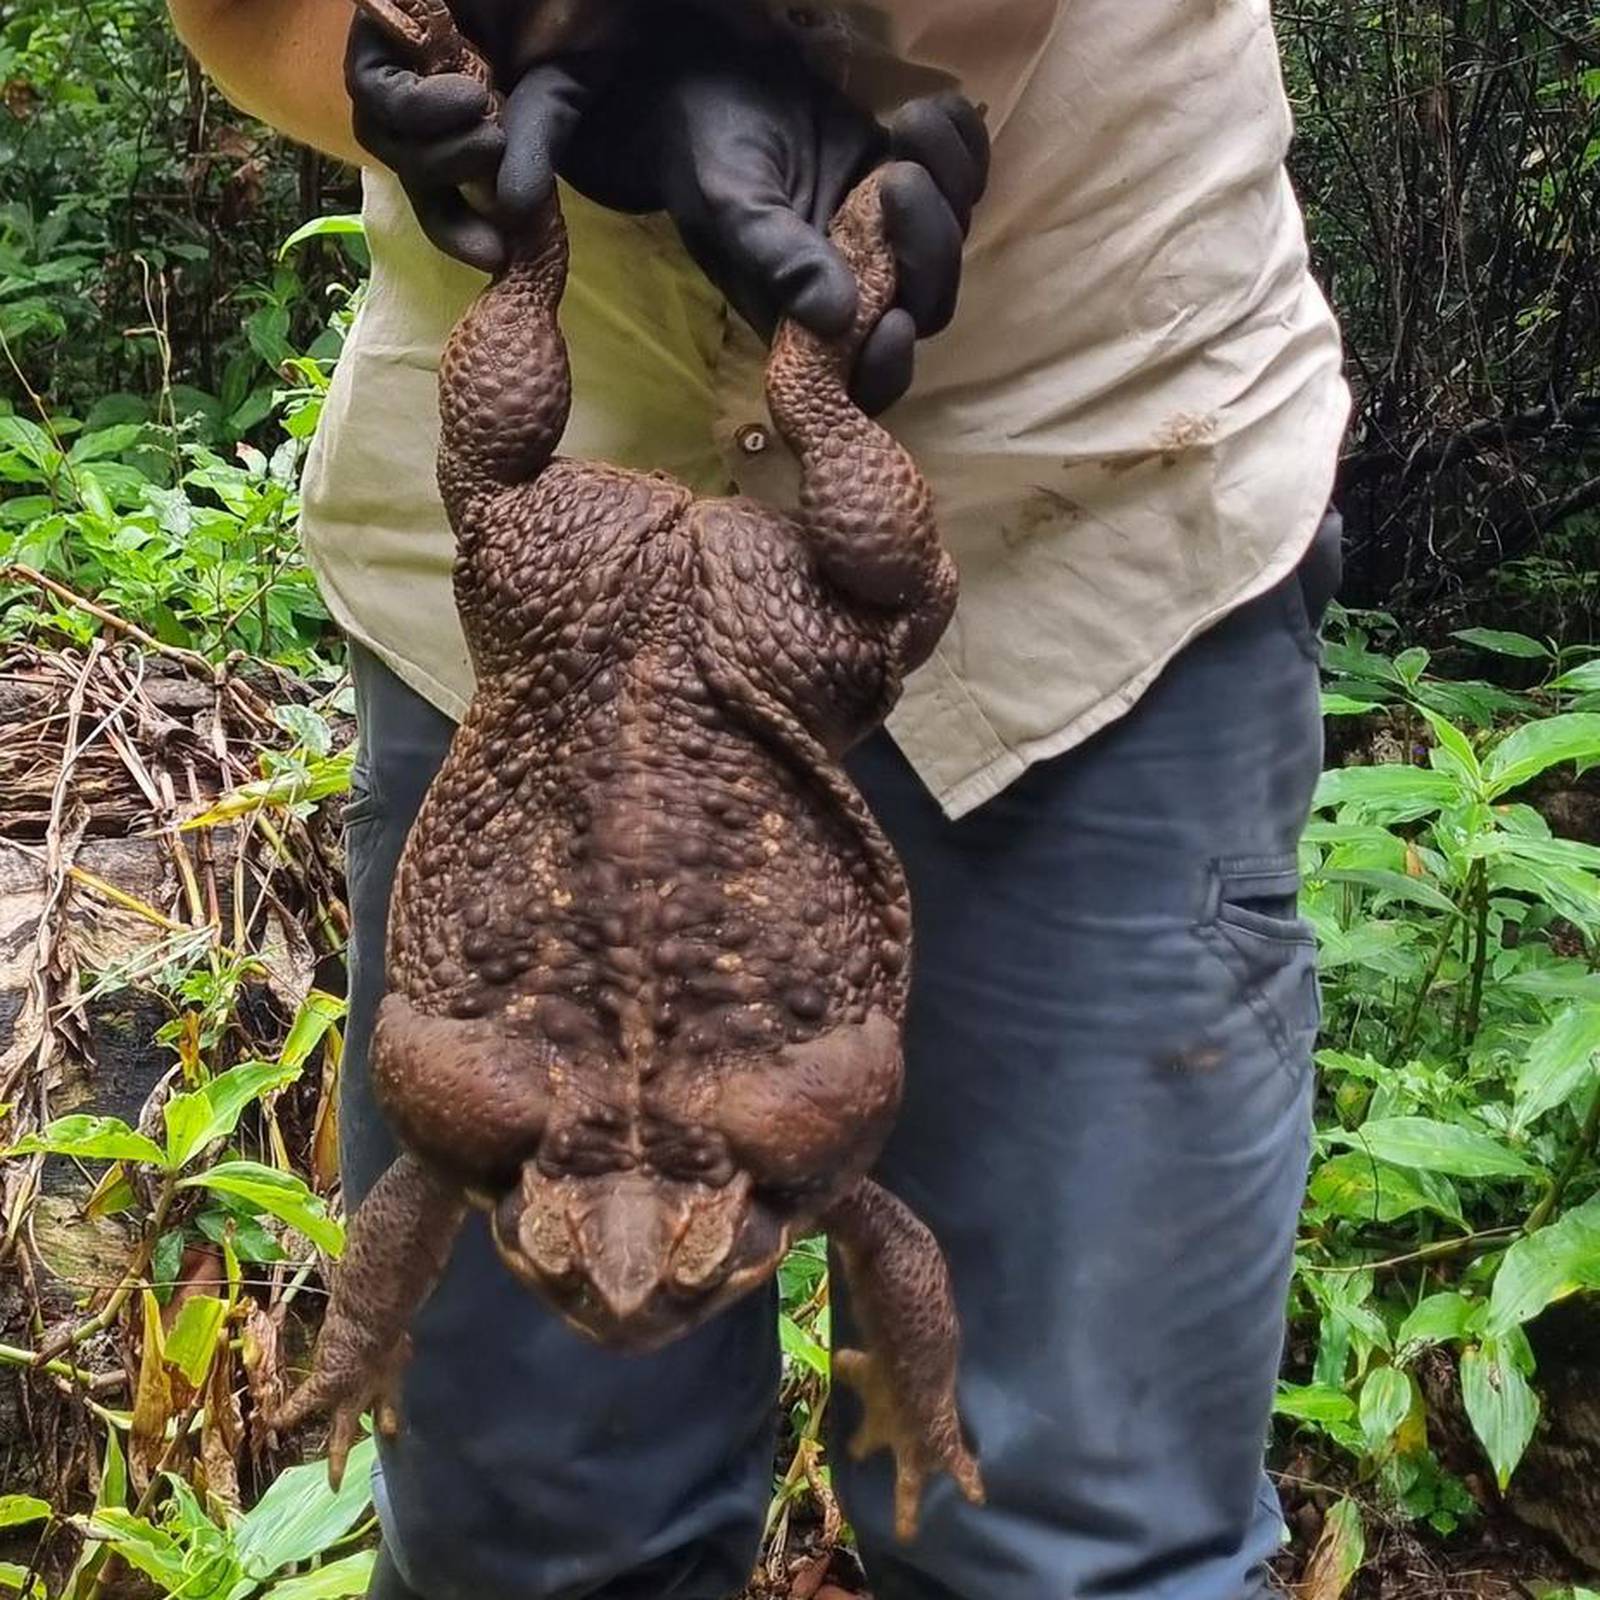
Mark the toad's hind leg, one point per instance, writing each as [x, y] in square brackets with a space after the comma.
[504, 385]
[399, 1242]
[864, 507]
[504, 388]
[906, 1376]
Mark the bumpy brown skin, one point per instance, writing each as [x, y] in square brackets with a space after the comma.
[648, 949]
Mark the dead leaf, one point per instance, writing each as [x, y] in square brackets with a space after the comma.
[325, 1129]
[263, 1373]
[152, 1400]
[221, 1432]
[289, 959]
[1338, 1555]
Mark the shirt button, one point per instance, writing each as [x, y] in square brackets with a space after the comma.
[751, 438]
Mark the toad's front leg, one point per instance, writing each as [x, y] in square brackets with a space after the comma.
[400, 1239]
[906, 1376]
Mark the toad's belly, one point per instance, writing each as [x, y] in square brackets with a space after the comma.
[652, 880]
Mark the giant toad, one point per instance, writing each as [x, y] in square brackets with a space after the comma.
[648, 948]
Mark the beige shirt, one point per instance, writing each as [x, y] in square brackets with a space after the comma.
[1130, 429]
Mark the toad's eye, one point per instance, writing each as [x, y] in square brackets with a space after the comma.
[538, 1232]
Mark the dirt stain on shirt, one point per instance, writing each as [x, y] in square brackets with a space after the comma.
[1175, 438]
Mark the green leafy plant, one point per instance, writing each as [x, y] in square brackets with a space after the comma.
[209, 1553]
[1453, 1192]
[197, 1123]
[137, 507]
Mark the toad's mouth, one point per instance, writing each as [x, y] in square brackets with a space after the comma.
[632, 1259]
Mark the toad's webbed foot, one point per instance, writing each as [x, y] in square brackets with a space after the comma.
[344, 1391]
[906, 1377]
[400, 1239]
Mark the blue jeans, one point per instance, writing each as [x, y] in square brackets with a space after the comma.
[1106, 1125]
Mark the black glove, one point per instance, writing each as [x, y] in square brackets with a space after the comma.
[748, 151]
[433, 133]
[750, 154]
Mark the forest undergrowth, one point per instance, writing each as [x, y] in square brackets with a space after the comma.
[174, 290]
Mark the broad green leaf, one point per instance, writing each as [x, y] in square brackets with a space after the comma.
[1397, 884]
[1334, 1338]
[213, 1110]
[30, 441]
[1354, 660]
[104, 442]
[1503, 643]
[279, 1194]
[1437, 1318]
[300, 1516]
[1516, 816]
[1558, 1260]
[318, 1012]
[1341, 1549]
[1385, 1400]
[1569, 894]
[350, 1575]
[112, 1193]
[316, 781]
[347, 223]
[113, 1474]
[248, 1238]
[140, 1543]
[1365, 1190]
[1396, 791]
[1559, 1062]
[1344, 705]
[1380, 947]
[193, 1336]
[311, 731]
[800, 1346]
[1565, 980]
[1454, 753]
[1581, 679]
[183, 1513]
[1368, 1068]
[1378, 839]
[267, 330]
[14, 1579]
[16, 1510]
[167, 1258]
[1430, 1146]
[93, 1138]
[1314, 1402]
[1571, 854]
[1411, 664]
[1501, 1406]
[1526, 751]
[1473, 701]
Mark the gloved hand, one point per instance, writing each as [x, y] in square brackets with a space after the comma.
[434, 133]
[750, 154]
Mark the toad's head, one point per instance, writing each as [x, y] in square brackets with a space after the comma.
[634, 1257]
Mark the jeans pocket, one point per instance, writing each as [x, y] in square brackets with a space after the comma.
[1252, 925]
[363, 804]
